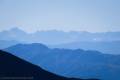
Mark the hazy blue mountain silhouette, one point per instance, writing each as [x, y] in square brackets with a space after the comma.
[58, 37]
[12, 67]
[6, 44]
[110, 47]
[71, 63]
[15, 34]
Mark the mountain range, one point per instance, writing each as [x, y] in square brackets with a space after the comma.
[106, 42]
[76, 63]
[57, 37]
[14, 68]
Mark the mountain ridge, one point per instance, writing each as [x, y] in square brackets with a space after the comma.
[76, 63]
[57, 37]
[25, 70]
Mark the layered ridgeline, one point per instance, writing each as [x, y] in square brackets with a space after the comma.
[108, 47]
[106, 42]
[14, 68]
[71, 63]
[57, 37]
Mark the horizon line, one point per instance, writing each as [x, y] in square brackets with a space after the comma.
[58, 30]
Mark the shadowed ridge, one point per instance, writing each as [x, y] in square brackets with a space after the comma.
[12, 66]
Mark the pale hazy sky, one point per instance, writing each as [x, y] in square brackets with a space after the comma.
[80, 15]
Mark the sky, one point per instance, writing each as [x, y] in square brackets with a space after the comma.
[66, 15]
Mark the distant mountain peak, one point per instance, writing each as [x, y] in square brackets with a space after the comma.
[39, 45]
[17, 30]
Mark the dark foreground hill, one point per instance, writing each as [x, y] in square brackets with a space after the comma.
[14, 68]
